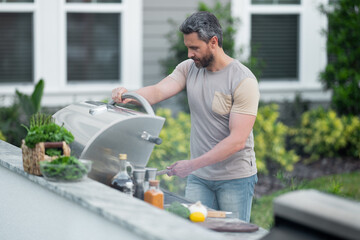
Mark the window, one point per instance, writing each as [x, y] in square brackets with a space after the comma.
[275, 1]
[18, 1]
[81, 48]
[287, 36]
[93, 1]
[93, 42]
[274, 40]
[16, 44]
[93, 47]
[16, 48]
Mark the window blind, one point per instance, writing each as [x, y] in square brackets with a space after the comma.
[276, 1]
[93, 1]
[274, 40]
[16, 48]
[93, 46]
[18, 1]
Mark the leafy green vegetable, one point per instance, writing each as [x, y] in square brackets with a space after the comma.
[178, 209]
[50, 132]
[64, 168]
[53, 152]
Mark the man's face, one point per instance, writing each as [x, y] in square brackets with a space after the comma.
[198, 50]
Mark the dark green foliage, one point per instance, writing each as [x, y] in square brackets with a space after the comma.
[43, 129]
[178, 209]
[19, 112]
[342, 73]
[10, 124]
[64, 168]
[32, 104]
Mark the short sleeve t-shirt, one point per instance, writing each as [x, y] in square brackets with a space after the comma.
[212, 96]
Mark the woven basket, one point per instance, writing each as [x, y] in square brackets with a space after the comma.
[33, 156]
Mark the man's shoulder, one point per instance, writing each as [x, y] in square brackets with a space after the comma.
[186, 63]
[242, 72]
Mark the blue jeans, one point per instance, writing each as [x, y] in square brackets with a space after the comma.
[226, 195]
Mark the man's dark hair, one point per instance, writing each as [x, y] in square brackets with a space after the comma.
[205, 24]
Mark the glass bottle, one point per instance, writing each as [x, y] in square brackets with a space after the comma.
[122, 181]
[154, 195]
[139, 176]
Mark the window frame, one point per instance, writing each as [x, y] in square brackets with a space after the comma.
[7, 7]
[311, 55]
[50, 55]
[129, 59]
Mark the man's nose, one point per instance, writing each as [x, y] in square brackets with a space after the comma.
[190, 54]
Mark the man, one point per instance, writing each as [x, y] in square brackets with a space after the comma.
[223, 98]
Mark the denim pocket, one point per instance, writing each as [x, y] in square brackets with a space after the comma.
[221, 103]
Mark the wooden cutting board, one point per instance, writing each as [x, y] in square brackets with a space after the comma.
[228, 225]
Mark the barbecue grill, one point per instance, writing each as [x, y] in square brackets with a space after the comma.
[104, 130]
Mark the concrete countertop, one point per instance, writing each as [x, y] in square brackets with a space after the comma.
[117, 207]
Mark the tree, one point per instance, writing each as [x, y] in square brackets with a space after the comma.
[342, 73]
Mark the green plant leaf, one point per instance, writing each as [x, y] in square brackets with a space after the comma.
[37, 95]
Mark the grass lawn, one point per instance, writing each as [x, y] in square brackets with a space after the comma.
[345, 185]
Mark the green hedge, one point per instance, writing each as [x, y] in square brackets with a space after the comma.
[325, 134]
[322, 133]
[270, 141]
[2, 137]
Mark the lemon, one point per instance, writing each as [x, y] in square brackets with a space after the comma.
[197, 217]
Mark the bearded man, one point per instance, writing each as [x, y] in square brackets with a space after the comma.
[223, 97]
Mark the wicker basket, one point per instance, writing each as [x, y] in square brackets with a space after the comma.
[33, 156]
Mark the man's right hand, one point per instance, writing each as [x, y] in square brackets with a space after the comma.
[117, 93]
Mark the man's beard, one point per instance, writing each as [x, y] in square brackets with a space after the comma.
[204, 62]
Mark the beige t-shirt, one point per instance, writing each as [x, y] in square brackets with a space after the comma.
[212, 96]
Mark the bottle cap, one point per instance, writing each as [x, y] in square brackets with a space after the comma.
[122, 156]
[154, 182]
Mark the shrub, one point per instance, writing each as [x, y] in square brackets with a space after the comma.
[324, 134]
[175, 146]
[341, 74]
[19, 112]
[352, 135]
[270, 141]
[2, 137]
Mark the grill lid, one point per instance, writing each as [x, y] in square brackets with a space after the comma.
[103, 131]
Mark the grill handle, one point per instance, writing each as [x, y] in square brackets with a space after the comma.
[146, 105]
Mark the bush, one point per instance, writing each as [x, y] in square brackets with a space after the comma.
[175, 146]
[352, 135]
[2, 137]
[270, 142]
[341, 74]
[324, 134]
[10, 124]
[19, 112]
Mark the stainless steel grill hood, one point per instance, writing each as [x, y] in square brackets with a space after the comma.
[102, 131]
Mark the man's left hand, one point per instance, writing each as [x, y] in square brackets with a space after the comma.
[181, 168]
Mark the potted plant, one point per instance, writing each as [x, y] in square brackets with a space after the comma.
[45, 141]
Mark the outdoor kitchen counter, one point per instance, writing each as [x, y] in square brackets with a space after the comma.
[83, 209]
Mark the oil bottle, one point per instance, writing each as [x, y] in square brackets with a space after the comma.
[122, 181]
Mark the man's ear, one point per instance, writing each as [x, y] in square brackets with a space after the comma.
[214, 41]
